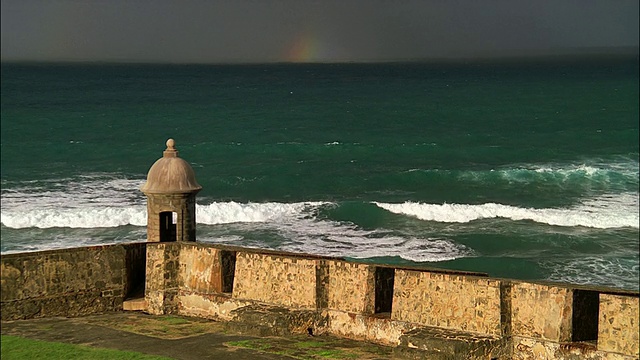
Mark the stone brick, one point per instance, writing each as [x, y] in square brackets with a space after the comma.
[200, 269]
[465, 314]
[618, 324]
[350, 287]
[65, 282]
[275, 279]
[366, 327]
[540, 349]
[465, 303]
[163, 279]
[451, 344]
[541, 311]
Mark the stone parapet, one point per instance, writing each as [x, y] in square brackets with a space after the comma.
[449, 301]
[69, 282]
[163, 282]
[350, 287]
[276, 279]
[201, 269]
[541, 311]
[429, 313]
[618, 315]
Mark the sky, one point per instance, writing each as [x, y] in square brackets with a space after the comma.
[227, 31]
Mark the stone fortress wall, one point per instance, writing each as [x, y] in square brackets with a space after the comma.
[428, 311]
[70, 282]
[423, 313]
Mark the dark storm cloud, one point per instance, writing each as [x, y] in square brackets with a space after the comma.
[257, 31]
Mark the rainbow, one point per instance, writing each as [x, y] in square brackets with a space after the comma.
[303, 48]
[308, 47]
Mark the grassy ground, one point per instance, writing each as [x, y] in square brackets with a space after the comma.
[302, 347]
[172, 336]
[162, 326]
[17, 348]
[299, 347]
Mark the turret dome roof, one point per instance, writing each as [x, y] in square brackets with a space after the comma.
[170, 174]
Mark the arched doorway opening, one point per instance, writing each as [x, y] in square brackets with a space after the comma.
[168, 220]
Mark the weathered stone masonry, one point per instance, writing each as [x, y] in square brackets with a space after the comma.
[70, 282]
[423, 313]
[278, 293]
[430, 309]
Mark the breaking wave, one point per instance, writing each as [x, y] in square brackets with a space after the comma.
[602, 212]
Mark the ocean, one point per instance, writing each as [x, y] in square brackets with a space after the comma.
[520, 169]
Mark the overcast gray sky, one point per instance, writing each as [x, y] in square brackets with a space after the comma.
[309, 30]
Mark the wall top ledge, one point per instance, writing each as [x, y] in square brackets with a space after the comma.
[596, 288]
[334, 258]
[38, 253]
[505, 281]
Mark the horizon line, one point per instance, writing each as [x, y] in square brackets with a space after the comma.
[569, 54]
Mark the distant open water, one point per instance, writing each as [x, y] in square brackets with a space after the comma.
[523, 170]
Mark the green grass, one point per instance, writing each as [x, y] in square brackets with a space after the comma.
[173, 320]
[165, 327]
[308, 344]
[311, 349]
[333, 354]
[250, 344]
[17, 348]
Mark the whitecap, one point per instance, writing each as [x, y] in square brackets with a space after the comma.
[602, 212]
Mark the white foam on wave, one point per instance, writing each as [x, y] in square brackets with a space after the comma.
[231, 212]
[614, 272]
[88, 217]
[98, 216]
[330, 238]
[110, 200]
[301, 231]
[61, 242]
[86, 201]
[103, 201]
[582, 168]
[81, 192]
[602, 212]
[622, 165]
[617, 171]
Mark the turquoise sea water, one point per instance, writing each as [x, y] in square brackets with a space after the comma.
[520, 169]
